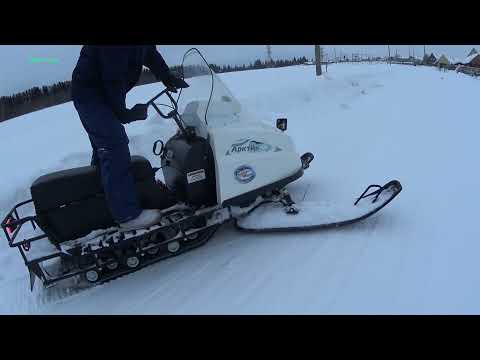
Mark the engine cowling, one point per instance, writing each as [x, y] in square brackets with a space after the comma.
[189, 169]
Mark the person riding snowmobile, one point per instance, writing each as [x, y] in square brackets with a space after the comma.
[101, 79]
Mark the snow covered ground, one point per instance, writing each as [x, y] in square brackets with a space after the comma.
[366, 123]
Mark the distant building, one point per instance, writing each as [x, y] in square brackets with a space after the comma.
[470, 65]
[402, 60]
[416, 61]
[472, 60]
[429, 59]
[442, 61]
[473, 51]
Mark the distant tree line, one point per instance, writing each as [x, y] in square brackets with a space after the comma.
[38, 98]
[258, 64]
[34, 99]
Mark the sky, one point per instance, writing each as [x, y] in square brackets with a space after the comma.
[25, 66]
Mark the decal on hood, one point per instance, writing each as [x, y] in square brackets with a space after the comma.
[250, 146]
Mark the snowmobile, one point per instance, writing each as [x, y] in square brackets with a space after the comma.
[217, 168]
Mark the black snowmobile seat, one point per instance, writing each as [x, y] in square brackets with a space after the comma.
[59, 188]
[71, 203]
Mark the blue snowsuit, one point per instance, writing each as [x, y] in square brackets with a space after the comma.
[100, 81]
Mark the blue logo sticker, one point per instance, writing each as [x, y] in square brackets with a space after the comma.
[244, 174]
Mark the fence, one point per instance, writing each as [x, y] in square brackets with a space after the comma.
[469, 70]
[472, 71]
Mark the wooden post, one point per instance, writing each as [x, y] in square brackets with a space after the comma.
[318, 60]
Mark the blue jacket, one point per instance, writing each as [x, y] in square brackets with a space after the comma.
[104, 74]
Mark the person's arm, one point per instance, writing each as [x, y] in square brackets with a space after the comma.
[113, 61]
[155, 62]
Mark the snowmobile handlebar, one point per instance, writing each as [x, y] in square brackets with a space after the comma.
[172, 114]
[172, 100]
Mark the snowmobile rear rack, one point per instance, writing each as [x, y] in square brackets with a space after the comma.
[12, 223]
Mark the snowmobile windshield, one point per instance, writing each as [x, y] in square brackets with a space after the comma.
[207, 98]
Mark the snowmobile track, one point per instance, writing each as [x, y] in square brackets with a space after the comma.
[53, 294]
[151, 261]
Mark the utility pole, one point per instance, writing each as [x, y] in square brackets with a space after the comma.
[389, 58]
[318, 59]
[269, 55]
[335, 51]
[326, 61]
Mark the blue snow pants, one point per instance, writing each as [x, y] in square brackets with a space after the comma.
[111, 154]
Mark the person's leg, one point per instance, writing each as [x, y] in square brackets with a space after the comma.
[118, 182]
[110, 144]
[94, 161]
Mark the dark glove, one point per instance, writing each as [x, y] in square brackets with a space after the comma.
[138, 112]
[172, 82]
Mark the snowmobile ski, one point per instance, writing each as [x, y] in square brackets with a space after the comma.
[278, 216]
